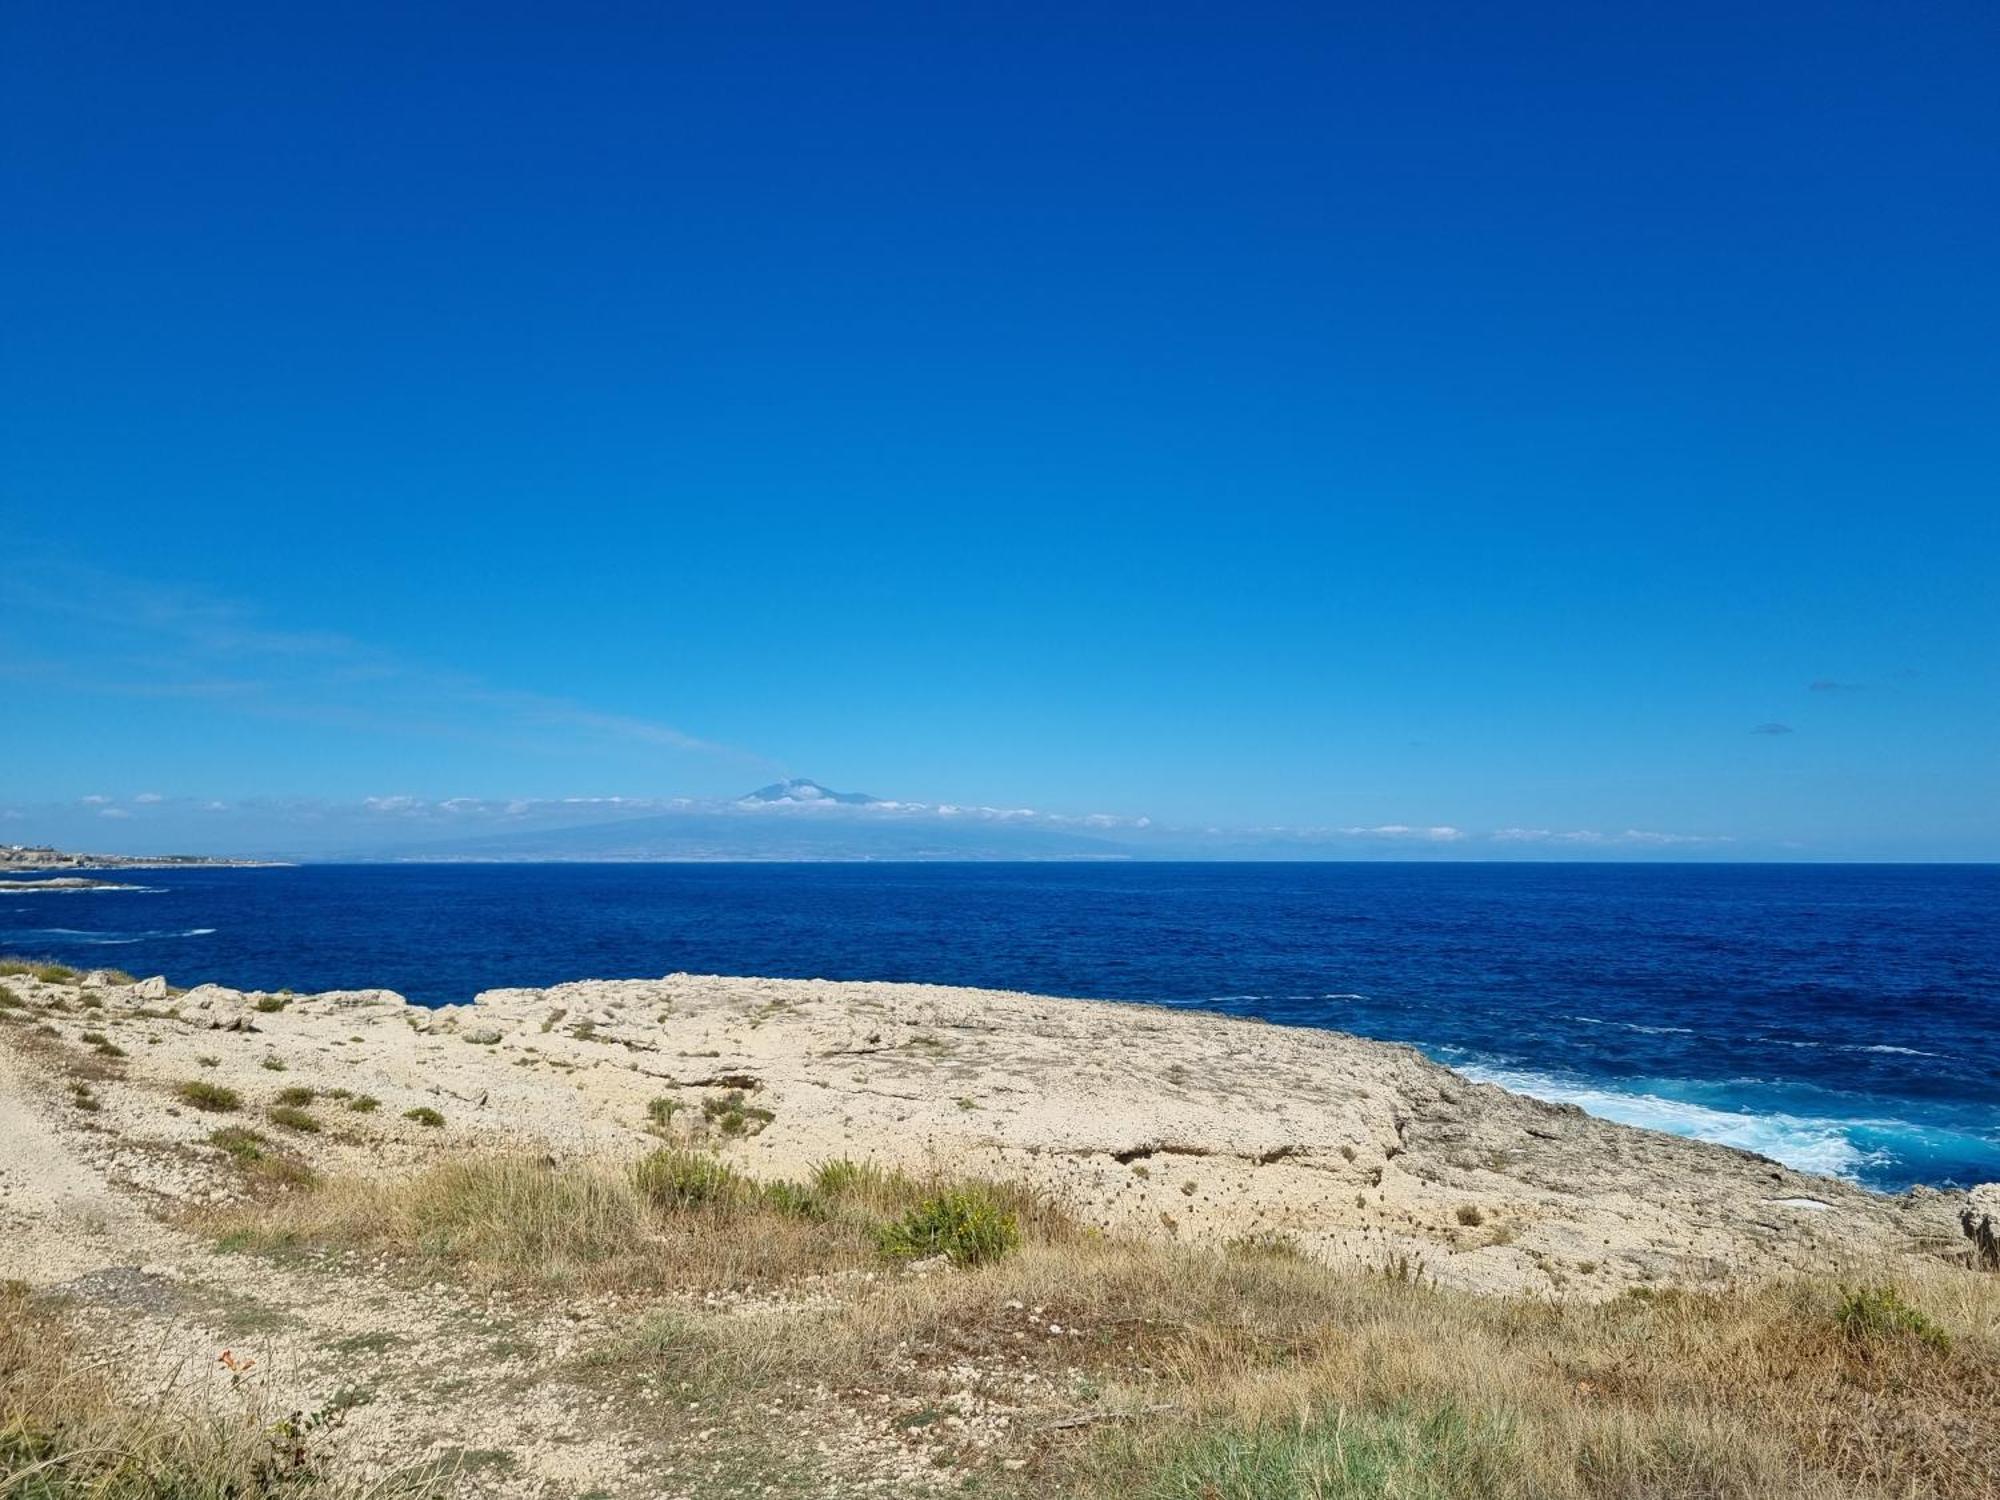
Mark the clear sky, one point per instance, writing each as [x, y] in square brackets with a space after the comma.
[1559, 419]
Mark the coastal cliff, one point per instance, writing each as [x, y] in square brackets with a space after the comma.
[1138, 1126]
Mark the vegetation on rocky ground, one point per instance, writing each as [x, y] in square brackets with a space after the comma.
[1198, 1374]
[72, 1429]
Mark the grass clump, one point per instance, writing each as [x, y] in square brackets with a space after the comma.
[1470, 1215]
[84, 1098]
[424, 1115]
[50, 973]
[1874, 1313]
[1414, 1449]
[364, 1104]
[213, 1097]
[675, 1179]
[269, 1004]
[661, 1110]
[240, 1143]
[102, 1045]
[732, 1115]
[293, 1118]
[274, 1062]
[966, 1225]
[255, 1154]
[297, 1093]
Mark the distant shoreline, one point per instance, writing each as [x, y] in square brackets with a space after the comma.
[23, 859]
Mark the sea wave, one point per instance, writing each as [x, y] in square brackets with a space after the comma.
[50, 888]
[1807, 1143]
[86, 938]
[1634, 1026]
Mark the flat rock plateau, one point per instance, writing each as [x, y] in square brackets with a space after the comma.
[1142, 1121]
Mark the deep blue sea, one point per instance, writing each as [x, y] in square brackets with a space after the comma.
[1843, 1019]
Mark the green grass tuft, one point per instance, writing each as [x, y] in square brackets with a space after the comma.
[212, 1097]
[672, 1178]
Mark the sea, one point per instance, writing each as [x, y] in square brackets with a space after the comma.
[1842, 1019]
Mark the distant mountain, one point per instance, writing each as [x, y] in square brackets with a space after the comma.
[745, 831]
[800, 789]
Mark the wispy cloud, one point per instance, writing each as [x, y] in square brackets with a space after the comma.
[1593, 838]
[117, 636]
[1772, 729]
[1828, 685]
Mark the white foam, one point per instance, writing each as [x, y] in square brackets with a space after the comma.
[1805, 1143]
[1634, 1026]
[1899, 1051]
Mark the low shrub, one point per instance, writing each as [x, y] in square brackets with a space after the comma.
[242, 1144]
[298, 1093]
[423, 1114]
[676, 1179]
[212, 1097]
[792, 1200]
[1875, 1313]
[966, 1225]
[293, 1118]
[367, 1104]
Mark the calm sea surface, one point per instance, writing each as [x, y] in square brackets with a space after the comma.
[1841, 1018]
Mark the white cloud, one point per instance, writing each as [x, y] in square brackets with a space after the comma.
[149, 797]
[112, 812]
[94, 800]
[1442, 833]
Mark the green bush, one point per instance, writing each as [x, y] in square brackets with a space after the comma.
[423, 1114]
[364, 1104]
[293, 1118]
[793, 1200]
[672, 1178]
[269, 1003]
[298, 1093]
[732, 1116]
[243, 1145]
[1874, 1313]
[212, 1097]
[964, 1224]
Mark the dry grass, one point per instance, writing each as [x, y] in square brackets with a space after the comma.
[675, 1220]
[70, 1431]
[1231, 1374]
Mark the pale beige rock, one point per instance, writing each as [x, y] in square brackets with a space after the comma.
[1141, 1120]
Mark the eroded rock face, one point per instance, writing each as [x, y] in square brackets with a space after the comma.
[1140, 1120]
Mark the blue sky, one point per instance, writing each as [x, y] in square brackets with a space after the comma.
[1483, 418]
